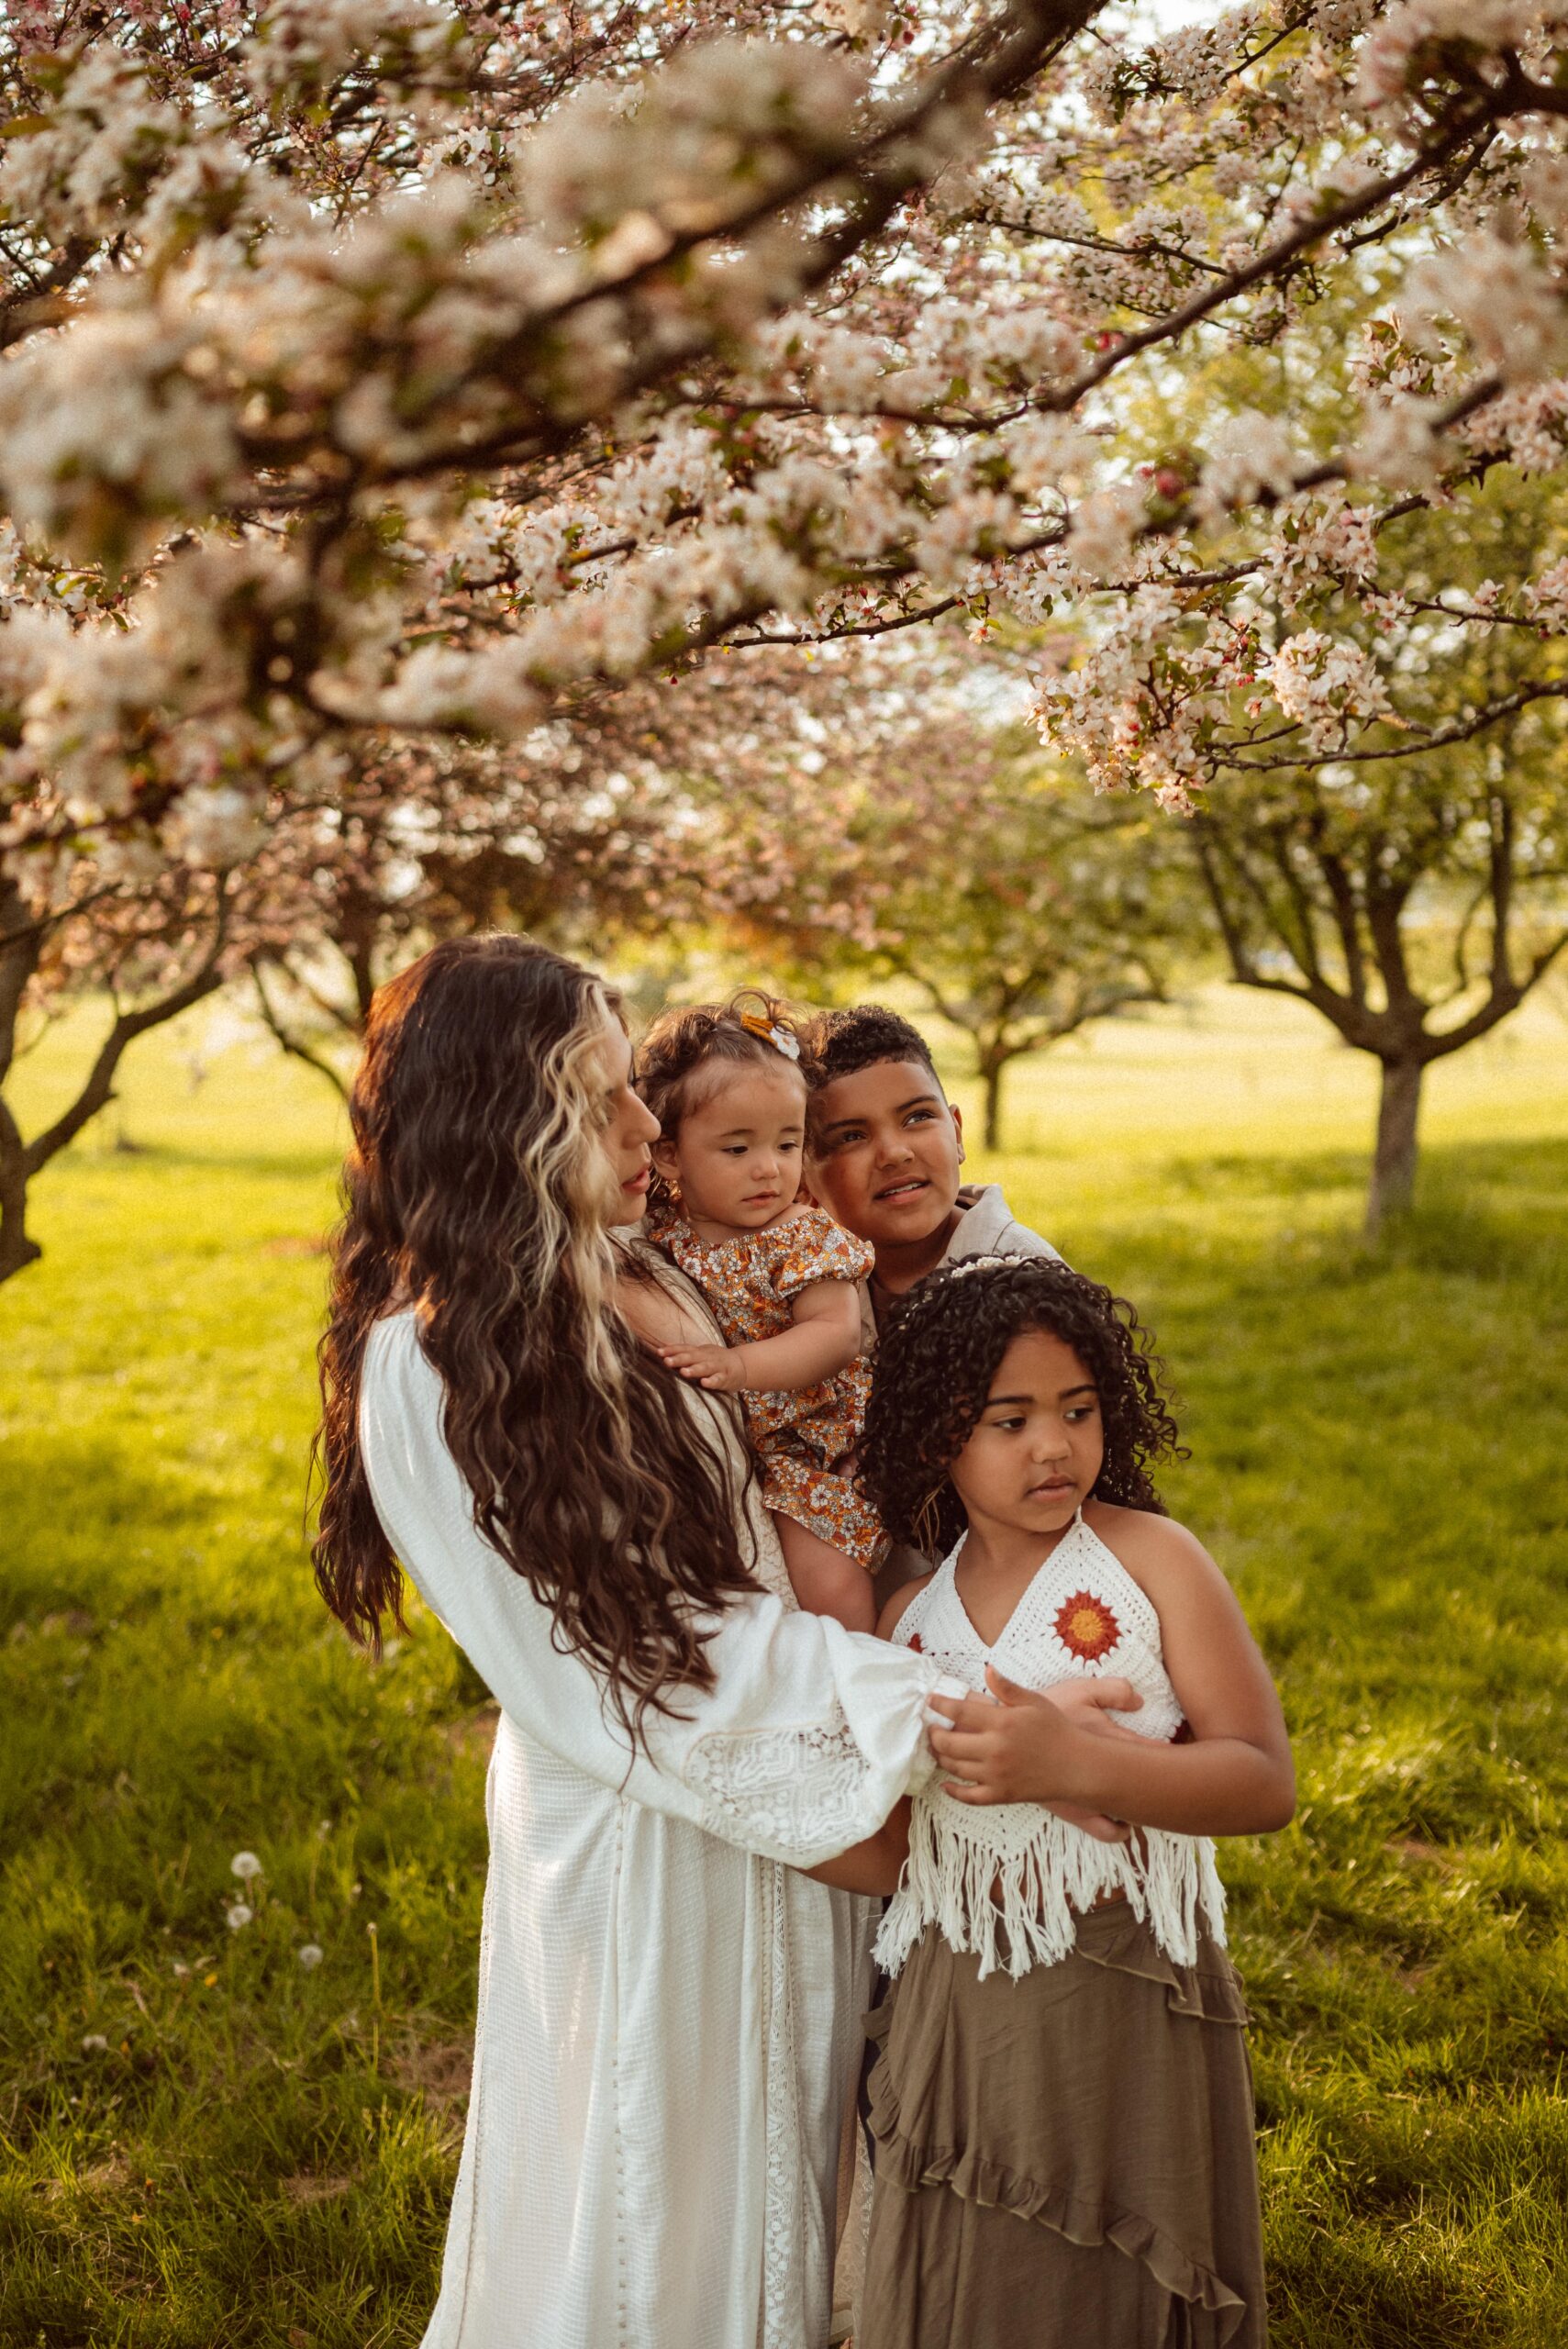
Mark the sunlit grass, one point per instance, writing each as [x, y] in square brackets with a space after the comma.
[262, 2153]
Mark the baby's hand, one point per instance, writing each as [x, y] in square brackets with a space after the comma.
[718, 1368]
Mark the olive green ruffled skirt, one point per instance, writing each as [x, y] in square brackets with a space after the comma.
[1065, 2161]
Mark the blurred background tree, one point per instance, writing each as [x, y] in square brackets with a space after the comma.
[1017, 906]
[1383, 832]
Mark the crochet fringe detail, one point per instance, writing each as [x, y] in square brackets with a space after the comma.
[969, 1888]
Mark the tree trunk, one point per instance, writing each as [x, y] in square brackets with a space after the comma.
[19, 1161]
[1394, 1161]
[20, 945]
[991, 1080]
[17, 1250]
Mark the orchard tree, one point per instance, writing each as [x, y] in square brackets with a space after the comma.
[1378, 772]
[567, 836]
[1415, 907]
[377, 367]
[315, 905]
[1018, 906]
[877, 815]
[1025, 910]
[149, 956]
[415, 365]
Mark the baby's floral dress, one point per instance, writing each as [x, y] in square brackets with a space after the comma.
[805, 1436]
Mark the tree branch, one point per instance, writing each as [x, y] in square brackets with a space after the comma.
[127, 1026]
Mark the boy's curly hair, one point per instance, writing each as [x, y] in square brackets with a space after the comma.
[938, 1358]
[683, 1042]
[842, 1044]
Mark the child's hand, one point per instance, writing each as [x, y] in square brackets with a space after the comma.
[718, 1368]
[1022, 1747]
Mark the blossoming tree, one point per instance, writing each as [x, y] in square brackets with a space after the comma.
[570, 835]
[889, 823]
[552, 836]
[1414, 900]
[425, 364]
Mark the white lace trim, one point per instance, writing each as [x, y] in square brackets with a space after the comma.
[1017, 1900]
[782, 2271]
[792, 1789]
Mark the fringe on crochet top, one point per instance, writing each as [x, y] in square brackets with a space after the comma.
[1009, 1880]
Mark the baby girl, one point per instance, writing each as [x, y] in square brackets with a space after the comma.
[725, 1085]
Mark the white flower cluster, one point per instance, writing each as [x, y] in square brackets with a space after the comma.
[74, 166]
[1399, 444]
[1395, 50]
[301, 43]
[1251, 458]
[727, 115]
[1545, 597]
[1324, 682]
[954, 357]
[104, 434]
[1512, 310]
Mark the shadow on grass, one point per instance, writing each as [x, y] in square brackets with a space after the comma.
[1449, 1173]
[94, 1155]
[72, 1503]
[1482, 1211]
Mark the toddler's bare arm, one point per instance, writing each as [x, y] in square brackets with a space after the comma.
[825, 1336]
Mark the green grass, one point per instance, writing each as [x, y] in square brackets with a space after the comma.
[262, 2155]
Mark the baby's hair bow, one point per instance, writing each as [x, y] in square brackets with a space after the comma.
[772, 1031]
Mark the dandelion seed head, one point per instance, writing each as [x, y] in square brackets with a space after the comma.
[310, 1957]
[239, 1916]
[245, 1864]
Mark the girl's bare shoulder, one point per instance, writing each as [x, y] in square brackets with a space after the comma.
[1160, 1555]
[892, 1614]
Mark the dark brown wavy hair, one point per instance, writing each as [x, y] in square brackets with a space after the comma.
[937, 1360]
[695, 1036]
[474, 1192]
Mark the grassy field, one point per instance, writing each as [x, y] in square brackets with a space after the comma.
[205, 2142]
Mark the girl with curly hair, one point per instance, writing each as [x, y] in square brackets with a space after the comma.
[724, 1081]
[1061, 2103]
[668, 2008]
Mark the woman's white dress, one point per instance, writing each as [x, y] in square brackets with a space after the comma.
[668, 2012]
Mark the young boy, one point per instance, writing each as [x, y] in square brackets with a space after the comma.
[884, 1149]
[883, 1152]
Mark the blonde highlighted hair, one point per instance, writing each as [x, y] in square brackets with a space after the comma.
[476, 1194]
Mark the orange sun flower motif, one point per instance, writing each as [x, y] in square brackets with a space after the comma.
[1085, 1626]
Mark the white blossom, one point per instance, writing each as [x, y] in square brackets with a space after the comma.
[1321, 681]
[1251, 458]
[1100, 536]
[1512, 309]
[218, 826]
[1399, 445]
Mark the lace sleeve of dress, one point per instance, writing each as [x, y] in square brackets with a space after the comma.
[800, 1745]
[790, 1790]
[814, 1247]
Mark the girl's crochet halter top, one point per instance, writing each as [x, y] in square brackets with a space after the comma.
[1016, 1866]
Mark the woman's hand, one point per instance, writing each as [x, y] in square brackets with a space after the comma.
[721, 1369]
[1011, 1746]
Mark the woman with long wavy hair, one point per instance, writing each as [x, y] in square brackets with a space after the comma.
[668, 2008]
